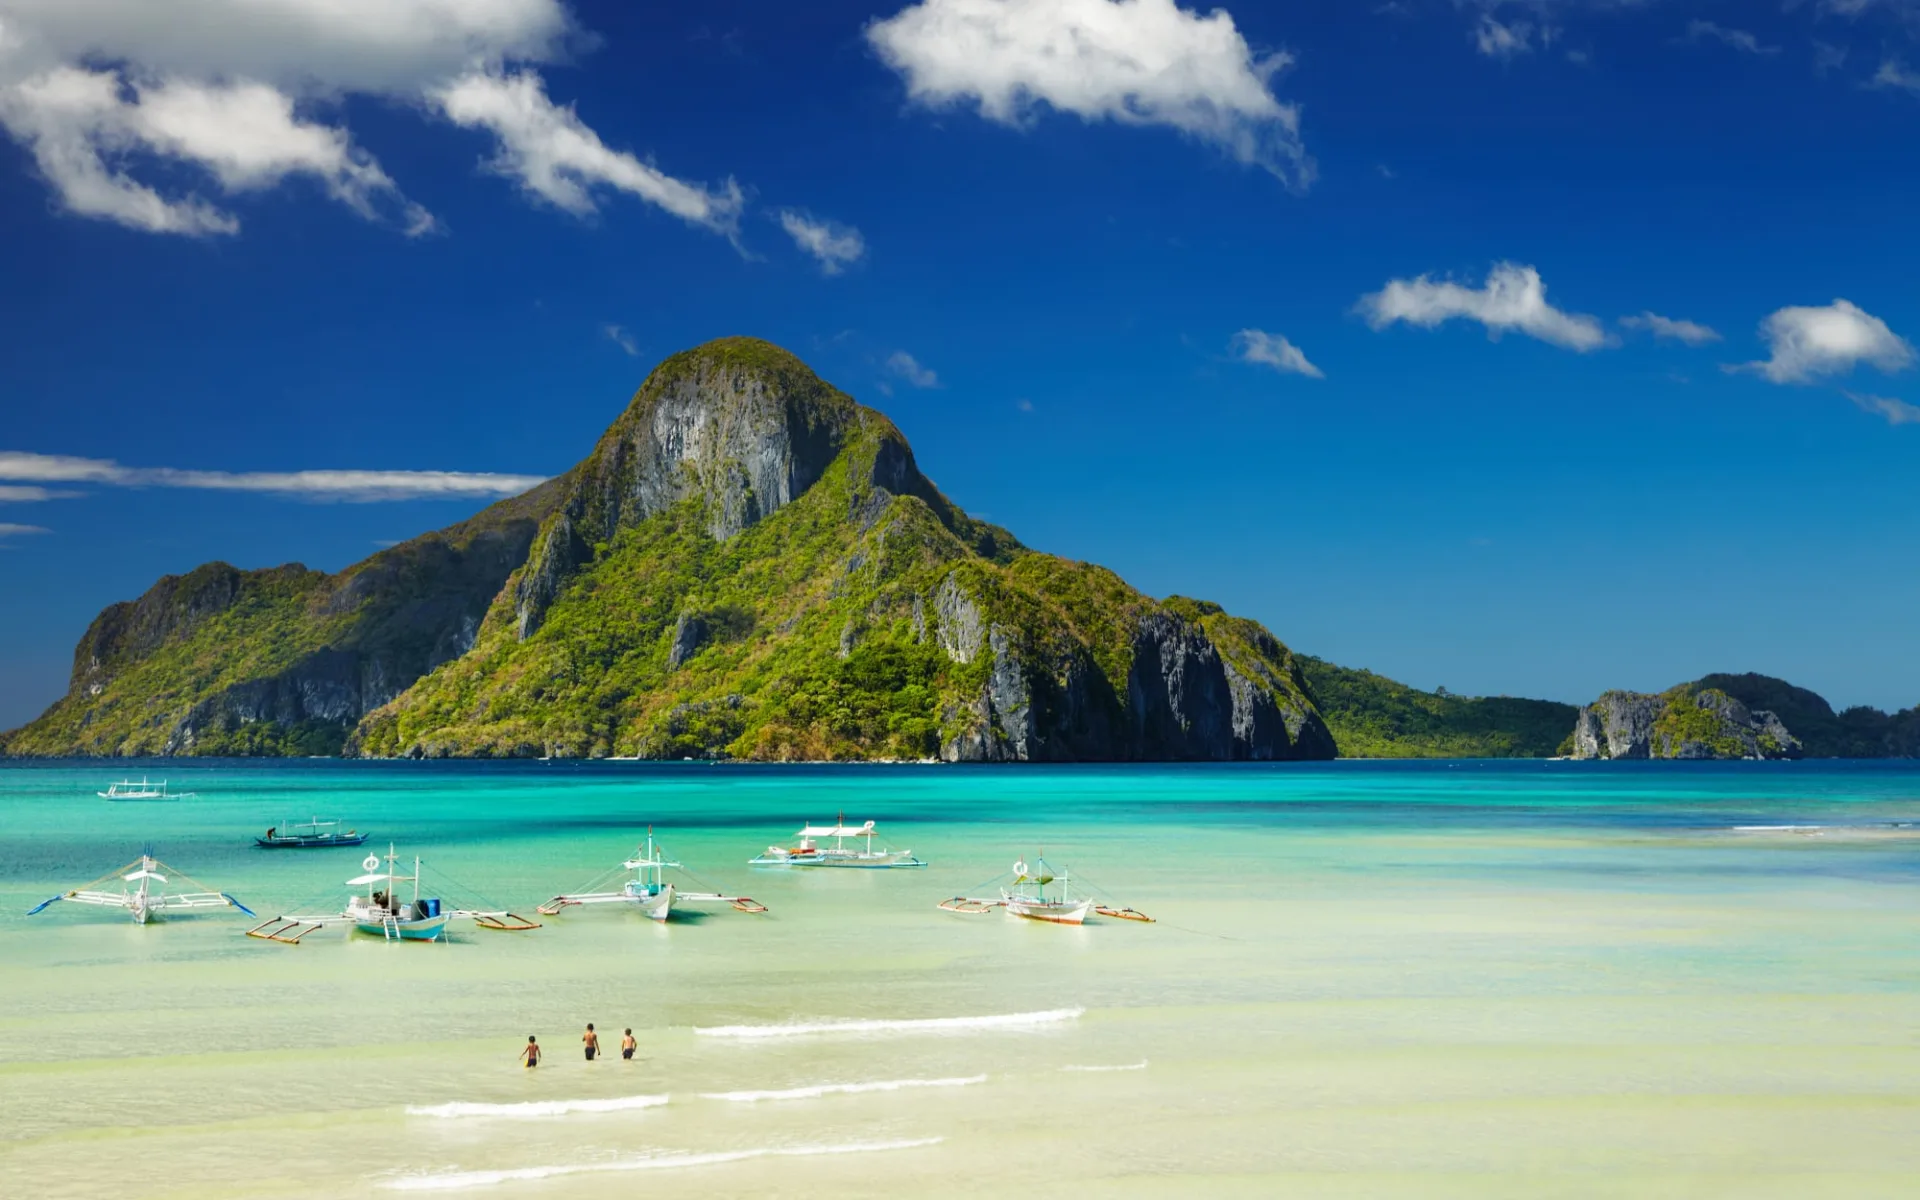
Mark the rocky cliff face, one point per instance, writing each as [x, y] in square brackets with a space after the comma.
[748, 565]
[1686, 723]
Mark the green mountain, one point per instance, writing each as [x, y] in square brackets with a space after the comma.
[1372, 716]
[748, 565]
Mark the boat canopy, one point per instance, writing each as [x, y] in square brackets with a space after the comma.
[378, 877]
[836, 830]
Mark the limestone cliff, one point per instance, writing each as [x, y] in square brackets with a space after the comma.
[1688, 722]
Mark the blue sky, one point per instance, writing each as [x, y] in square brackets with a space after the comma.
[1314, 309]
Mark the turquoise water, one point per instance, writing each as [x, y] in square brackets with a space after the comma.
[1441, 979]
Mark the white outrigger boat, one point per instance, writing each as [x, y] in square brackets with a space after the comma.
[807, 851]
[648, 890]
[127, 789]
[382, 913]
[143, 892]
[1025, 895]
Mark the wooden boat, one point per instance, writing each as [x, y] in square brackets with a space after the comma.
[308, 835]
[382, 913]
[144, 892]
[1025, 895]
[127, 789]
[808, 851]
[648, 890]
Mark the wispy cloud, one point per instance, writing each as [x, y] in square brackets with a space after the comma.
[832, 244]
[1273, 350]
[12, 494]
[9, 530]
[1893, 75]
[354, 486]
[1738, 39]
[1671, 328]
[1513, 299]
[1806, 342]
[906, 367]
[618, 335]
[1895, 412]
[1503, 41]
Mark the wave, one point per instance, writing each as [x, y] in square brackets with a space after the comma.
[1139, 1066]
[834, 1089]
[1774, 828]
[457, 1181]
[535, 1108]
[1026, 1020]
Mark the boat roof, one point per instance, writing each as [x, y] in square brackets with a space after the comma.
[841, 830]
[377, 877]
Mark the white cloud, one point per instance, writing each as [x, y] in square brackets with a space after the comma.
[1894, 412]
[833, 244]
[1808, 342]
[553, 155]
[10, 530]
[1507, 41]
[1672, 328]
[10, 494]
[618, 335]
[103, 92]
[1137, 62]
[1273, 350]
[23, 467]
[1894, 75]
[1738, 39]
[907, 367]
[1513, 298]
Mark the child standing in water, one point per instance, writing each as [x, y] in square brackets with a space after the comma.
[532, 1053]
[627, 1045]
[591, 1041]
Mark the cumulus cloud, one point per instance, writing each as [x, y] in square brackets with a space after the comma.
[1273, 350]
[551, 153]
[1672, 328]
[1497, 40]
[1513, 298]
[1738, 39]
[832, 244]
[908, 368]
[112, 97]
[361, 486]
[1894, 412]
[1136, 62]
[1808, 342]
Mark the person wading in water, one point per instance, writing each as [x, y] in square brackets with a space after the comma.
[627, 1045]
[532, 1053]
[591, 1040]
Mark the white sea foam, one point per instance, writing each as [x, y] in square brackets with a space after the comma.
[1772, 828]
[1026, 1020]
[535, 1108]
[460, 1181]
[834, 1089]
[1139, 1066]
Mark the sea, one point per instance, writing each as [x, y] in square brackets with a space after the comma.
[1434, 979]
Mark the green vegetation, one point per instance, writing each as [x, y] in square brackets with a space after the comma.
[1372, 716]
[1691, 718]
[1859, 732]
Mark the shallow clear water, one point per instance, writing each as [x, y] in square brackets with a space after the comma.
[1468, 979]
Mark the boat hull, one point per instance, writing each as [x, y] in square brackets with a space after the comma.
[659, 906]
[280, 843]
[1073, 913]
[843, 861]
[425, 929]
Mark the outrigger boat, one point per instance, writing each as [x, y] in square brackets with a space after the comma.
[144, 894]
[127, 789]
[648, 890]
[382, 913]
[307, 834]
[1025, 895]
[808, 852]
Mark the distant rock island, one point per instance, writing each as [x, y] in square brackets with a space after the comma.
[750, 565]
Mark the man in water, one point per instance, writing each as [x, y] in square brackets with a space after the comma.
[627, 1045]
[532, 1053]
[591, 1040]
